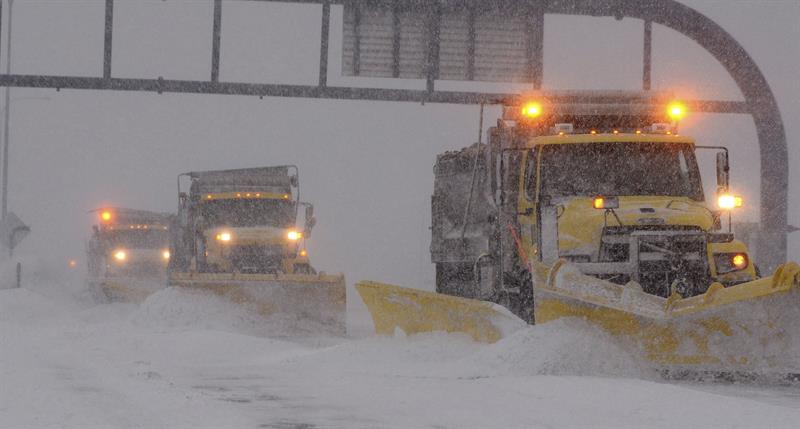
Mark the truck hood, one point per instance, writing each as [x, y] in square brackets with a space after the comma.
[580, 225]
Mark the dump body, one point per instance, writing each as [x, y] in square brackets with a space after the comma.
[238, 234]
[128, 253]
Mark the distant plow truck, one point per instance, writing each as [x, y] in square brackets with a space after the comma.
[238, 233]
[128, 254]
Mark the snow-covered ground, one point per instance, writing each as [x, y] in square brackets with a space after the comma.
[181, 360]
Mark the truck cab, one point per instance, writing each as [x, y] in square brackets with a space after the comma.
[243, 221]
[128, 244]
[611, 188]
[626, 206]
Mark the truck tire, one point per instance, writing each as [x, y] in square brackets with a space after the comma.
[520, 301]
[456, 279]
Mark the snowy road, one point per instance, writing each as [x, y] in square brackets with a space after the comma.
[198, 362]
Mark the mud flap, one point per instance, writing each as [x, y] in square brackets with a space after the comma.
[317, 298]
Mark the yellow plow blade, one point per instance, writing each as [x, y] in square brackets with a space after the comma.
[127, 289]
[415, 311]
[318, 298]
[751, 328]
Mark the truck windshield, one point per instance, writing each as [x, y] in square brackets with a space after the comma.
[247, 213]
[151, 238]
[590, 169]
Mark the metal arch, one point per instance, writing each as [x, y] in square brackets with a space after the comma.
[757, 93]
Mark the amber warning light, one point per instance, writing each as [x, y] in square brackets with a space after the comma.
[676, 111]
[531, 110]
[605, 203]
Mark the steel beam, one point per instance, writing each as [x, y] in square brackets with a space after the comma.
[647, 55]
[434, 33]
[535, 42]
[341, 93]
[471, 38]
[357, 36]
[323, 43]
[215, 40]
[395, 40]
[107, 45]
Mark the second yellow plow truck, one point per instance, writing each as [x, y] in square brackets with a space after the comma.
[237, 234]
[596, 210]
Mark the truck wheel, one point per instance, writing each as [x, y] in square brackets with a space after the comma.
[521, 303]
[455, 279]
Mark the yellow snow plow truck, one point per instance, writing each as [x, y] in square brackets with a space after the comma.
[128, 254]
[596, 210]
[237, 234]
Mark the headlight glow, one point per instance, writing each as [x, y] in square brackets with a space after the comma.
[120, 255]
[729, 202]
[294, 235]
[730, 262]
[224, 236]
[165, 254]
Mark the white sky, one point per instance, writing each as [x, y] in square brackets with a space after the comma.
[366, 166]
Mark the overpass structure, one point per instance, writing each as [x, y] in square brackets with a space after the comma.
[479, 41]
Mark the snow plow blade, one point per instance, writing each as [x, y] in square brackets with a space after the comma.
[415, 311]
[749, 330]
[125, 289]
[316, 298]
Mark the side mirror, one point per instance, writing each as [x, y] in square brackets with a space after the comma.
[310, 220]
[295, 181]
[723, 172]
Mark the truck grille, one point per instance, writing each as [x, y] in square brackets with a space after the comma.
[662, 255]
[257, 259]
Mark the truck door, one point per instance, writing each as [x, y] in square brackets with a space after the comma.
[528, 205]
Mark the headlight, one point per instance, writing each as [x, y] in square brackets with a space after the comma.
[729, 262]
[729, 202]
[165, 255]
[294, 235]
[120, 255]
[224, 236]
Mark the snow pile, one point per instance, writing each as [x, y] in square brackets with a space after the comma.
[561, 347]
[422, 355]
[181, 308]
[22, 306]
